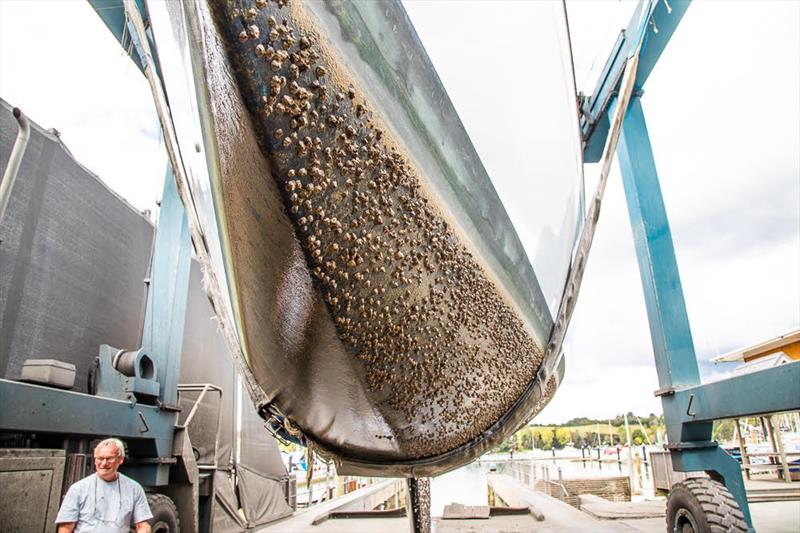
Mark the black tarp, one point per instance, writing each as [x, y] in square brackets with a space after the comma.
[73, 258]
[226, 515]
[259, 455]
[262, 498]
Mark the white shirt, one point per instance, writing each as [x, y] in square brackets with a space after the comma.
[99, 506]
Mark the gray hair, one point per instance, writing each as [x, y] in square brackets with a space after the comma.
[118, 444]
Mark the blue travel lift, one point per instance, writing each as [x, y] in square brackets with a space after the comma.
[690, 407]
[135, 395]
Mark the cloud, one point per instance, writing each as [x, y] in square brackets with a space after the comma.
[759, 217]
[611, 391]
[80, 82]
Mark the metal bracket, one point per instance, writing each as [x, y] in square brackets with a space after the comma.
[152, 460]
[269, 425]
[691, 445]
[144, 423]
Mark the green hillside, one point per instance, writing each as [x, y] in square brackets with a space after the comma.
[584, 432]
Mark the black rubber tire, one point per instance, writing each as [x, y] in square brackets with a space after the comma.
[165, 514]
[702, 505]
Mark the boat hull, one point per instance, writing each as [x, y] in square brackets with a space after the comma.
[374, 312]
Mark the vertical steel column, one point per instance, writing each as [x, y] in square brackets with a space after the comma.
[669, 324]
[167, 293]
[676, 363]
[418, 504]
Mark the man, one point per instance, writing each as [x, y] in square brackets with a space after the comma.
[106, 501]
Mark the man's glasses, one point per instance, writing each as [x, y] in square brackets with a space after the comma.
[110, 459]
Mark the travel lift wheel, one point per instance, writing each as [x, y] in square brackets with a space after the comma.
[165, 514]
[702, 505]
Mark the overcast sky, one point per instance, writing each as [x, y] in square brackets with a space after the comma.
[723, 111]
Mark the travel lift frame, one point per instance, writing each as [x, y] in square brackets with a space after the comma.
[690, 407]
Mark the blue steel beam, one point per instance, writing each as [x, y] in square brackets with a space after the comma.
[742, 395]
[594, 121]
[669, 324]
[162, 336]
[169, 278]
[146, 429]
[664, 18]
[676, 363]
[112, 13]
[37, 409]
[168, 291]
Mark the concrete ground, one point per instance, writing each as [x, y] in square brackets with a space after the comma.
[604, 509]
[768, 517]
[302, 520]
[343, 525]
[776, 516]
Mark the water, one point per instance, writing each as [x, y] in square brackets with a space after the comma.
[467, 485]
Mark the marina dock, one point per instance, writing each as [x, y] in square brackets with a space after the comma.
[602, 515]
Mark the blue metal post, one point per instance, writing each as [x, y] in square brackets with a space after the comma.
[595, 112]
[673, 348]
[669, 324]
[162, 337]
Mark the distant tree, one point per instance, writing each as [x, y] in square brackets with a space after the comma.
[637, 436]
[723, 430]
[580, 421]
[561, 436]
[525, 438]
[536, 434]
[546, 437]
[503, 447]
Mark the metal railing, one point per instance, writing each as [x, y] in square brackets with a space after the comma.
[203, 389]
[537, 476]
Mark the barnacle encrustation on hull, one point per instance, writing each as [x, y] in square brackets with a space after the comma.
[444, 352]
